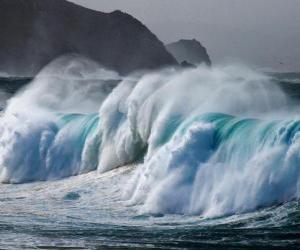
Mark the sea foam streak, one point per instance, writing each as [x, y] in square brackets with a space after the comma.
[206, 140]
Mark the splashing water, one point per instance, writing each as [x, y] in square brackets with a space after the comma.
[207, 142]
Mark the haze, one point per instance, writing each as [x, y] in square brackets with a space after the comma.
[261, 33]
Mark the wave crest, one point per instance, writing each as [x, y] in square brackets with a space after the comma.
[198, 152]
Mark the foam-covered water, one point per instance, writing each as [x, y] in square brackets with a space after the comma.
[215, 154]
[88, 212]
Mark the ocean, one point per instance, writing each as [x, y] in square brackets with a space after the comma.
[174, 159]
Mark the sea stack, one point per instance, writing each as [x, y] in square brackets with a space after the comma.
[189, 51]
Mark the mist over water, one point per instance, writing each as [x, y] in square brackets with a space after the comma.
[204, 142]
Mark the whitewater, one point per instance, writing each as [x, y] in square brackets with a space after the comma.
[175, 152]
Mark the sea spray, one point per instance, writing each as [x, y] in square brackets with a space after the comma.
[205, 139]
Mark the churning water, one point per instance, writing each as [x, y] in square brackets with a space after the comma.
[170, 159]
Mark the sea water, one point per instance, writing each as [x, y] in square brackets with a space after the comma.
[172, 159]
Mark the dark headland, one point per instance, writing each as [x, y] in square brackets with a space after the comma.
[34, 32]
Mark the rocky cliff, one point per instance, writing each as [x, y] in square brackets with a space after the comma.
[190, 51]
[34, 32]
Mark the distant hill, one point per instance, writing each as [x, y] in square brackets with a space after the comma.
[34, 32]
[189, 51]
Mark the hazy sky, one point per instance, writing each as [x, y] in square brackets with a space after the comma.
[265, 33]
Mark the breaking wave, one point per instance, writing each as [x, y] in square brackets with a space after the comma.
[209, 142]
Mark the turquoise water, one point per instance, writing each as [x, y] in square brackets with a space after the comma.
[170, 165]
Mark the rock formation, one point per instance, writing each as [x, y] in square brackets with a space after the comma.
[34, 32]
[189, 51]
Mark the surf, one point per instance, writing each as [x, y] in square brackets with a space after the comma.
[206, 141]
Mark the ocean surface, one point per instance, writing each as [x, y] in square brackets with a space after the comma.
[175, 159]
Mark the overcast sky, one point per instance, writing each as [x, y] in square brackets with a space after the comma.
[263, 33]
